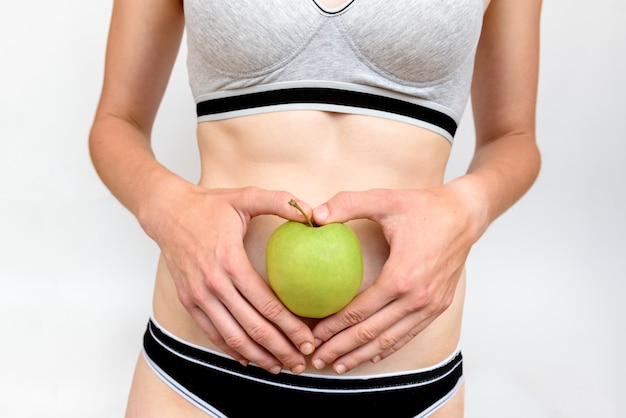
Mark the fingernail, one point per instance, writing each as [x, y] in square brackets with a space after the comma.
[307, 348]
[298, 369]
[275, 370]
[318, 364]
[340, 369]
[318, 342]
[376, 359]
[244, 363]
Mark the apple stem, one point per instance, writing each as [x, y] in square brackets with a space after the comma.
[295, 205]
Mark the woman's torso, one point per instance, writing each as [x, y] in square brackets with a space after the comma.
[313, 155]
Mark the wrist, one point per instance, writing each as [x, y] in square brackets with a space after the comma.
[474, 199]
[161, 192]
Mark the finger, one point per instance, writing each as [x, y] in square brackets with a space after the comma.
[256, 291]
[256, 201]
[365, 304]
[403, 341]
[345, 206]
[266, 335]
[387, 343]
[287, 337]
[292, 327]
[213, 334]
[358, 323]
[359, 343]
[236, 339]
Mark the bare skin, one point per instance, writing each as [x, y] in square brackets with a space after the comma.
[416, 231]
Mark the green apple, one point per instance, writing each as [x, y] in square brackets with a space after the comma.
[314, 270]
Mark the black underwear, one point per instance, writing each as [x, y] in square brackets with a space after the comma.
[222, 387]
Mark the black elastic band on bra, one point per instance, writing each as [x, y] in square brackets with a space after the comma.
[222, 383]
[331, 96]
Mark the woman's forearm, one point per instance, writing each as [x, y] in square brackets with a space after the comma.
[124, 160]
[500, 173]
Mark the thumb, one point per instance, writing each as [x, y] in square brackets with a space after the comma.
[346, 206]
[270, 202]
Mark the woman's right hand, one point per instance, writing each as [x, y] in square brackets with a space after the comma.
[200, 232]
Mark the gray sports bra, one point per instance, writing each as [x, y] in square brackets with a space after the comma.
[405, 60]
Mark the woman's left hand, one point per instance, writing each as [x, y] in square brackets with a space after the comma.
[430, 233]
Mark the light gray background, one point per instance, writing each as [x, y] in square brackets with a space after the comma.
[544, 325]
